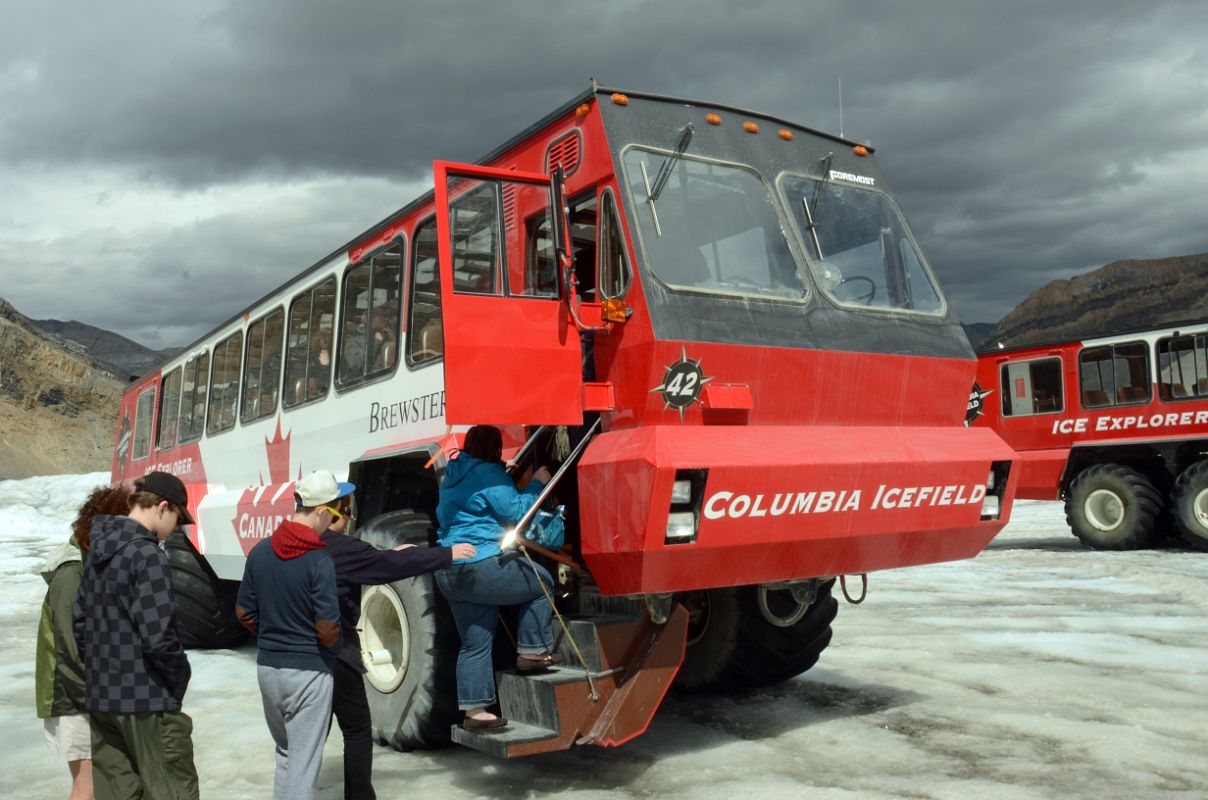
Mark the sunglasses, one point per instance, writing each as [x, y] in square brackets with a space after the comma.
[339, 513]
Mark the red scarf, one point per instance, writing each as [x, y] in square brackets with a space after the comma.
[292, 539]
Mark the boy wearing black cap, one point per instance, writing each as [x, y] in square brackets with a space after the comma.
[135, 668]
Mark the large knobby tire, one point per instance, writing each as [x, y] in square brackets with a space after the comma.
[1113, 507]
[409, 645]
[733, 645]
[205, 605]
[1189, 505]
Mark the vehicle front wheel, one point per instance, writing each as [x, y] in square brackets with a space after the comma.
[1189, 503]
[1113, 507]
[747, 637]
[409, 646]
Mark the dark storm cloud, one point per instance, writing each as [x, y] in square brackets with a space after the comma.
[1027, 141]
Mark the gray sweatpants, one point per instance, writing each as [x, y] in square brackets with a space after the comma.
[297, 708]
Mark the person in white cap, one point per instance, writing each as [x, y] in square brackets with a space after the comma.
[288, 599]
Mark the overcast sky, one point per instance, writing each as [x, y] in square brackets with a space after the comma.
[163, 164]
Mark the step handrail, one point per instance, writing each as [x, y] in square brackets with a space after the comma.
[525, 448]
[549, 487]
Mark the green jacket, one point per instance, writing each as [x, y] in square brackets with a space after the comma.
[59, 675]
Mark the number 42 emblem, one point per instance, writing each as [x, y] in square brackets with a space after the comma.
[682, 383]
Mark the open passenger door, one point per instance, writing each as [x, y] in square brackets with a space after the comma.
[512, 350]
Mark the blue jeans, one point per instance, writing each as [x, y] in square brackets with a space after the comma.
[475, 593]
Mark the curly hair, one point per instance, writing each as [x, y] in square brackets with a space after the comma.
[112, 500]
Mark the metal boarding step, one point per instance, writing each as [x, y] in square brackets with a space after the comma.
[632, 662]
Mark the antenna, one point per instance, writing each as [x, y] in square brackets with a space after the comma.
[840, 107]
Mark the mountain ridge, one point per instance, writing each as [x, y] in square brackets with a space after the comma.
[58, 405]
[1125, 295]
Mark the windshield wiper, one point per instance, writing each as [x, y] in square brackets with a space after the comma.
[811, 205]
[660, 180]
[825, 161]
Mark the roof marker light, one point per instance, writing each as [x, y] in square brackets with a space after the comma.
[785, 134]
[582, 110]
[620, 99]
[713, 119]
[750, 127]
[860, 150]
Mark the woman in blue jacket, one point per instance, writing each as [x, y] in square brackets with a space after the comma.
[478, 503]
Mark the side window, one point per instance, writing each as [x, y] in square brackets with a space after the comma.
[370, 319]
[169, 408]
[1031, 387]
[142, 424]
[542, 276]
[425, 337]
[1114, 375]
[1183, 367]
[262, 367]
[309, 346]
[224, 384]
[614, 260]
[193, 398]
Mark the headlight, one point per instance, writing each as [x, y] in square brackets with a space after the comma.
[681, 492]
[990, 507]
[681, 526]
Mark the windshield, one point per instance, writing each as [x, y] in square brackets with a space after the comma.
[710, 226]
[862, 252]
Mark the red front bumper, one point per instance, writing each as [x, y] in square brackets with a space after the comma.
[781, 503]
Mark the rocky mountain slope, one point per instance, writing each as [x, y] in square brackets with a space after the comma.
[122, 357]
[1124, 295]
[58, 406]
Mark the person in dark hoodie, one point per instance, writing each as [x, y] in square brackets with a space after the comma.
[135, 668]
[478, 500]
[360, 564]
[59, 675]
[288, 600]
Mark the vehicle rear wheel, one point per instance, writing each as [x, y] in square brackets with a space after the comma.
[205, 605]
[409, 646]
[1189, 504]
[748, 637]
[1113, 507]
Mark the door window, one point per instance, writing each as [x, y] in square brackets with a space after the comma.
[1031, 387]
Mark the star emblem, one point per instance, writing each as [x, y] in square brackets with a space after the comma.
[977, 397]
[682, 382]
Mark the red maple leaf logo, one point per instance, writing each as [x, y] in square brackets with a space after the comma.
[262, 508]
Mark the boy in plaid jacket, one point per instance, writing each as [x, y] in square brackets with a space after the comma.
[135, 668]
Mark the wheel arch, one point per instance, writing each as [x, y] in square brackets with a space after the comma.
[406, 480]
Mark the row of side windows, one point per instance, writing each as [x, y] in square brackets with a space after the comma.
[1108, 376]
[361, 343]
[368, 348]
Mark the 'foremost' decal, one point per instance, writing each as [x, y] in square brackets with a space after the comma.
[847, 176]
[735, 506]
